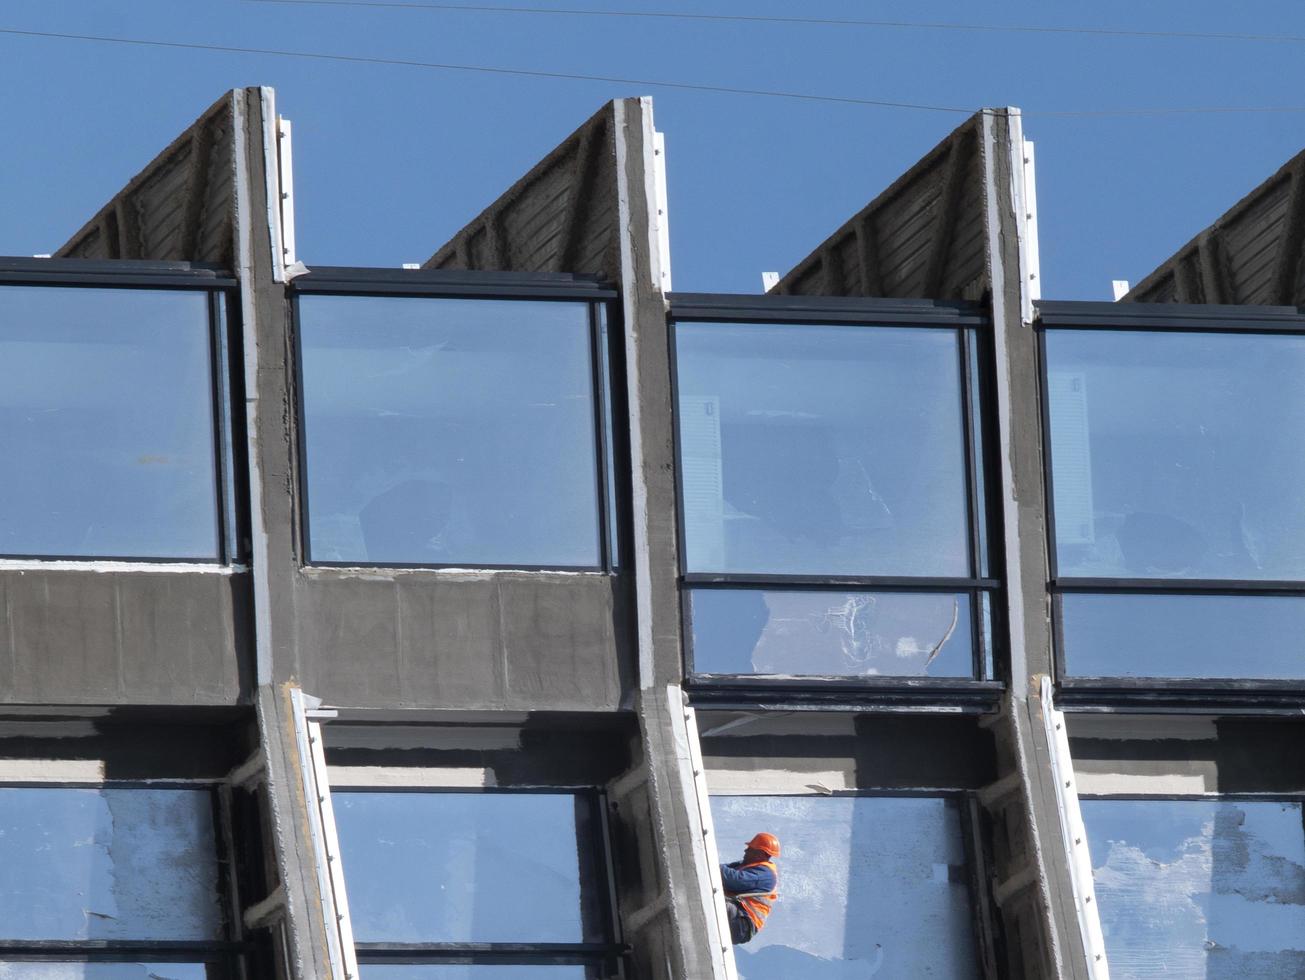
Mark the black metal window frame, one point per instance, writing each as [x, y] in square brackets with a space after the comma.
[972, 325]
[606, 957]
[226, 367]
[975, 828]
[226, 954]
[1134, 693]
[446, 284]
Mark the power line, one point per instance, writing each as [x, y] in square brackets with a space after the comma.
[817, 21]
[640, 82]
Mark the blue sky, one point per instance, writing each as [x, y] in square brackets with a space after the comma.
[391, 161]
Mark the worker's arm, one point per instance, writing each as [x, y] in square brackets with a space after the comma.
[741, 881]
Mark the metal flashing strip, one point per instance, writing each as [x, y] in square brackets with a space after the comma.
[824, 309]
[118, 565]
[1075, 836]
[448, 283]
[286, 178]
[1169, 316]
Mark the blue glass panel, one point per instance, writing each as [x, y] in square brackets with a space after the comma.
[1199, 889]
[850, 634]
[106, 424]
[869, 887]
[1184, 636]
[137, 864]
[449, 432]
[468, 867]
[822, 450]
[1177, 455]
[50, 970]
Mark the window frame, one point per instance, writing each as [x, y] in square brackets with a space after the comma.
[603, 318]
[226, 382]
[600, 955]
[1275, 696]
[979, 692]
[227, 953]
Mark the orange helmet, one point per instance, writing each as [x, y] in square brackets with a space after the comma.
[766, 843]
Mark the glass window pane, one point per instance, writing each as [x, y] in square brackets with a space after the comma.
[869, 886]
[108, 864]
[452, 971]
[1177, 455]
[469, 867]
[106, 424]
[849, 634]
[47, 970]
[1184, 636]
[1199, 888]
[822, 450]
[447, 432]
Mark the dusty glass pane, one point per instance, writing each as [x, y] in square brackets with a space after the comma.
[1184, 636]
[448, 431]
[108, 864]
[445, 971]
[106, 424]
[869, 887]
[109, 971]
[467, 867]
[1199, 889]
[1177, 455]
[849, 634]
[822, 450]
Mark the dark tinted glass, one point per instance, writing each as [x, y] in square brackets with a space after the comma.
[822, 450]
[106, 424]
[448, 432]
[1184, 636]
[67, 970]
[860, 634]
[115, 864]
[868, 887]
[477, 972]
[1206, 889]
[1177, 455]
[469, 867]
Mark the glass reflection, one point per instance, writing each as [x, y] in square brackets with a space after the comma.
[468, 867]
[106, 424]
[818, 633]
[1199, 888]
[1184, 636]
[822, 450]
[108, 864]
[1177, 455]
[446, 432]
[869, 886]
[47, 970]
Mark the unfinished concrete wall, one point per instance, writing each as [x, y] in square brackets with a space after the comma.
[180, 207]
[922, 238]
[1251, 255]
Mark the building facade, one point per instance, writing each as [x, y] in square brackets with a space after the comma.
[455, 622]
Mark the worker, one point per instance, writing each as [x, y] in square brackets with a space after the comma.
[751, 887]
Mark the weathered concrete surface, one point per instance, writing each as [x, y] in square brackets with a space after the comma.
[1252, 254]
[524, 641]
[181, 206]
[924, 237]
[112, 638]
[560, 217]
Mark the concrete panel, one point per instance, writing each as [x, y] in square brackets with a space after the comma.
[921, 238]
[111, 638]
[504, 641]
[180, 207]
[560, 217]
[1251, 254]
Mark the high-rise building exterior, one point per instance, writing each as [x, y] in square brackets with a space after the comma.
[456, 622]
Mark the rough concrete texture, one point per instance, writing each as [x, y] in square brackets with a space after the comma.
[921, 238]
[560, 217]
[110, 638]
[1252, 254]
[181, 206]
